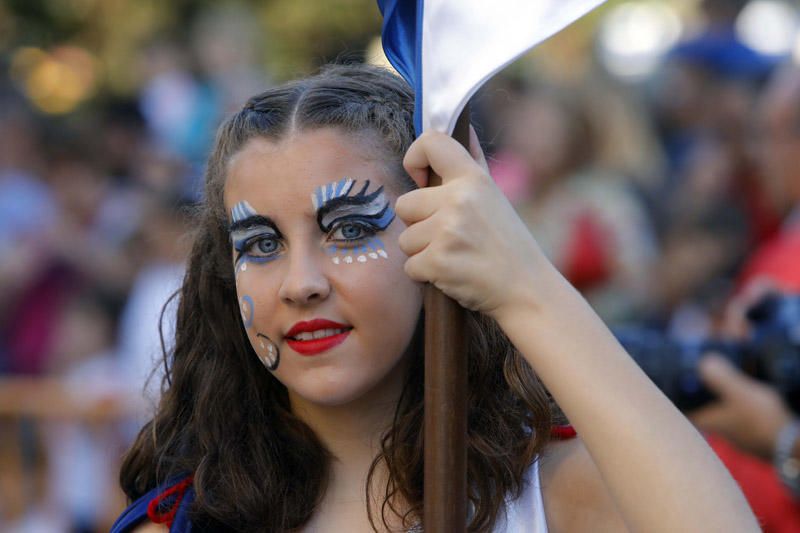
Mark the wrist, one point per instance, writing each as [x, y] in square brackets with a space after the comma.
[531, 294]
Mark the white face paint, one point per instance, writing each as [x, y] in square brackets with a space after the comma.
[356, 217]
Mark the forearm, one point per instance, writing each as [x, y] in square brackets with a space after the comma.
[658, 469]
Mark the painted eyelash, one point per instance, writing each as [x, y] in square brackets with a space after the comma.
[241, 211]
[243, 245]
[334, 197]
[368, 229]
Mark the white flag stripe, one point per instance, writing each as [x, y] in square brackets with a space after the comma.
[465, 42]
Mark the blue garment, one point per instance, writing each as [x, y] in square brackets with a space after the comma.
[136, 513]
[721, 52]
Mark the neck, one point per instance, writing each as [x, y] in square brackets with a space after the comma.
[351, 429]
[351, 433]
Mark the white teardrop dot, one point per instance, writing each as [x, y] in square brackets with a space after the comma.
[373, 255]
[383, 254]
[244, 267]
[362, 259]
[335, 260]
[348, 259]
[262, 344]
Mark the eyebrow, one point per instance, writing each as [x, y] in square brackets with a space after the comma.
[345, 205]
[253, 222]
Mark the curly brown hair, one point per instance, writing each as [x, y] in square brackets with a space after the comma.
[227, 420]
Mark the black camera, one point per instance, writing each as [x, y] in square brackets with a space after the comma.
[770, 354]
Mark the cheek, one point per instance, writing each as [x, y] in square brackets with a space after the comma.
[379, 290]
[373, 249]
[255, 308]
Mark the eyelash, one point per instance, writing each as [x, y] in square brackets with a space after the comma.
[247, 247]
[367, 231]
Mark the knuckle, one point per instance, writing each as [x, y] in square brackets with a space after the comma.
[462, 198]
[411, 268]
[451, 231]
[402, 206]
[401, 242]
[438, 261]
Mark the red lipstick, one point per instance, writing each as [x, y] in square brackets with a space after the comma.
[306, 345]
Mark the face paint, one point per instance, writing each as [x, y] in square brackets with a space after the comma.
[248, 311]
[268, 352]
[255, 238]
[352, 219]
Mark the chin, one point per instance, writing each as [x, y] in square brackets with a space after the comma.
[333, 394]
[336, 389]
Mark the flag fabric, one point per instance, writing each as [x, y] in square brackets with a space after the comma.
[447, 49]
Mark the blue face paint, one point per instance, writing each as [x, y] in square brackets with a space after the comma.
[248, 311]
[241, 211]
[352, 219]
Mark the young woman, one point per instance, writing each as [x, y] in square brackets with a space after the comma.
[293, 400]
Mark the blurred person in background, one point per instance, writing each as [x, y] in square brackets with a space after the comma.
[225, 40]
[703, 98]
[179, 108]
[585, 215]
[78, 427]
[713, 208]
[75, 252]
[748, 414]
[703, 244]
[28, 211]
[165, 237]
[778, 148]
[189, 87]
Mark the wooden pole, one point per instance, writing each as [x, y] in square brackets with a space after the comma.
[445, 509]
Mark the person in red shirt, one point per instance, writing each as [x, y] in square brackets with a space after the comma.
[753, 430]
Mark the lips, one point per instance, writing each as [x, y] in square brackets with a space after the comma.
[316, 336]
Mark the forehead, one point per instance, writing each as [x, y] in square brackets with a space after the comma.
[281, 175]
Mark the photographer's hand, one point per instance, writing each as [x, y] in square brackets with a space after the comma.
[748, 413]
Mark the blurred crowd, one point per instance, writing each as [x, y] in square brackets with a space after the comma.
[668, 204]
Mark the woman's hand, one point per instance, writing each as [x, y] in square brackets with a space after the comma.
[464, 236]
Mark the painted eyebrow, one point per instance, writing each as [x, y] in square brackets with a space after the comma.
[252, 222]
[348, 204]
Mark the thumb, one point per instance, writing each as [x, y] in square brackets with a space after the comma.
[721, 376]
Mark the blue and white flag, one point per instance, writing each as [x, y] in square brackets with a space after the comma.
[447, 49]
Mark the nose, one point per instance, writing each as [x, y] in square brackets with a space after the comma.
[305, 283]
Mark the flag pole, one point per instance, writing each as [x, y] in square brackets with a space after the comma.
[445, 481]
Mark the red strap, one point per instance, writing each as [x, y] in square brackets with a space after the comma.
[563, 432]
[177, 491]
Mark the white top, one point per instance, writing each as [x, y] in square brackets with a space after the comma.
[526, 513]
[523, 515]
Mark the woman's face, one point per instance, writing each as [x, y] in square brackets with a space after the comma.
[324, 298]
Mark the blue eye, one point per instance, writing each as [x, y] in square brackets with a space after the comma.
[351, 231]
[266, 246]
[261, 246]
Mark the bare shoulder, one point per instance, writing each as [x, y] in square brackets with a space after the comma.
[575, 497]
[149, 527]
